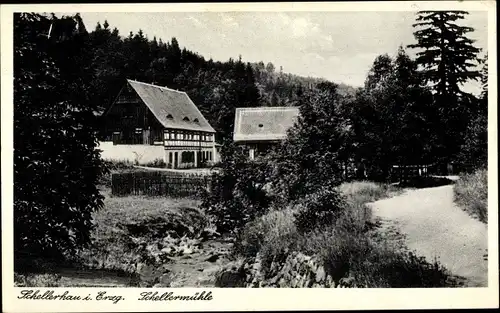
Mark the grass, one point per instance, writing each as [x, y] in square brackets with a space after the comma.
[347, 248]
[357, 215]
[471, 193]
[126, 224]
[125, 228]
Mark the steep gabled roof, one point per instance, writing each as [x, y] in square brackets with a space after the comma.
[263, 123]
[172, 108]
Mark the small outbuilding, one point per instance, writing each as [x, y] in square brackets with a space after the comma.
[260, 128]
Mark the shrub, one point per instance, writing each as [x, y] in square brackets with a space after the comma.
[471, 193]
[115, 165]
[320, 209]
[36, 280]
[237, 193]
[158, 163]
[369, 263]
[357, 215]
[272, 234]
[385, 266]
[56, 164]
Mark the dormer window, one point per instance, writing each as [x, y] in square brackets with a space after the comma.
[170, 117]
[185, 119]
[196, 120]
[261, 125]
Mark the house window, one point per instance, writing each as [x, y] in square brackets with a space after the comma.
[196, 120]
[210, 155]
[170, 117]
[185, 119]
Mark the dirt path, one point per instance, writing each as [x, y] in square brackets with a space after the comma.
[435, 227]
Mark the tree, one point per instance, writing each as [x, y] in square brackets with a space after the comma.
[56, 163]
[314, 150]
[474, 150]
[270, 67]
[448, 56]
[238, 194]
[448, 60]
[413, 114]
[392, 117]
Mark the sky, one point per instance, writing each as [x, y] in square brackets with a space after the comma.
[338, 46]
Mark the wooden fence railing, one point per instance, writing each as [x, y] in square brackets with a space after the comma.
[158, 184]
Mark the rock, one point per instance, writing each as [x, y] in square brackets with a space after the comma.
[167, 250]
[329, 282]
[282, 283]
[187, 250]
[146, 272]
[140, 267]
[257, 266]
[273, 280]
[347, 282]
[207, 234]
[230, 279]
[320, 274]
[152, 248]
[166, 280]
[212, 258]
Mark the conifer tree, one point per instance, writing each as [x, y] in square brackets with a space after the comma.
[448, 60]
[448, 57]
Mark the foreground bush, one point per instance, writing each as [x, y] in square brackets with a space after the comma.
[56, 163]
[237, 193]
[272, 235]
[370, 263]
[320, 209]
[471, 193]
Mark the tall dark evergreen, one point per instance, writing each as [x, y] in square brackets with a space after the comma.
[448, 56]
[448, 60]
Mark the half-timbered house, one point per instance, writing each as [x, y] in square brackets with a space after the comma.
[148, 122]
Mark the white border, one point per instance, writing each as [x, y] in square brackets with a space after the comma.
[250, 299]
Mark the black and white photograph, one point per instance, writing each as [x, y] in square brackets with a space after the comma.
[249, 149]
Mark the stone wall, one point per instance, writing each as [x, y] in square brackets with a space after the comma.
[296, 271]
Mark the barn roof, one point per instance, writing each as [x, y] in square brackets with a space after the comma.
[172, 108]
[263, 123]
